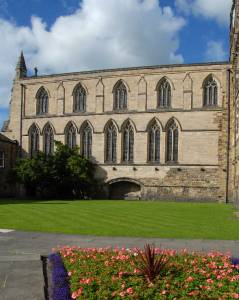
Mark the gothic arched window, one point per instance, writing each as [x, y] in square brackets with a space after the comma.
[164, 94]
[172, 142]
[111, 143]
[210, 92]
[70, 136]
[154, 143]
[48, 138]
[87, 141]
[128, 143]
[79, 98]
[42, 102]
[120, 96]
[33, 140]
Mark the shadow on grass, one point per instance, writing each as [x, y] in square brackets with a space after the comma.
[51, 201]
[34, 201]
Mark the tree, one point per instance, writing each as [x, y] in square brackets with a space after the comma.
[64, 174]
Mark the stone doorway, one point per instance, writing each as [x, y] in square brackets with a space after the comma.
[125, 190]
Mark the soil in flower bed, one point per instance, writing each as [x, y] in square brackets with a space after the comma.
[118, 274]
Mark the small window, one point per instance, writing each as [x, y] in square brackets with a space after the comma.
[128, 144]
[154, 143]
[111, 143]
[70, 136]
[42, 102]
[33, 140]
[210, 92]
[120, 96]
[164, 94]
[2, 159]
[172, 143]
[48, 137]
[87, 142]
[79, 96]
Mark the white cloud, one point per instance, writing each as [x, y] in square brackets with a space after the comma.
[100, 34]
[215, 51]
[211, 9]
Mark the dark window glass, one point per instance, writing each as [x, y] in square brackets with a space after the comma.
[164, 94]
[154, 143]
[79, 99]
[33, 140]
[172, 143]
[42, 102]
[87, 142]
[71, 136]
[210, 92]
[128, 143]
[48, 140]
[120, 95]
[111, 144]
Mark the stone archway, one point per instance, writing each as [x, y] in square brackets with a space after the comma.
[124, 189]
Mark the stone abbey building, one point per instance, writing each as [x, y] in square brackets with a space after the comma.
[160, 132]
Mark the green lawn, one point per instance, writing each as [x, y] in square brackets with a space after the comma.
[122, 218]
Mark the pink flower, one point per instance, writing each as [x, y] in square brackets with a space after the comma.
[164, 292]
[235, 296]
[193, 293]
[210, 280]
[122, 294]
[136, 271]
[130, 290]
[77, 293]
[190, 279]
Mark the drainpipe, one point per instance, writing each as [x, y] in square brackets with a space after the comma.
[228, 132]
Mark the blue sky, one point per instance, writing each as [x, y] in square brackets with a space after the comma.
[70, 35]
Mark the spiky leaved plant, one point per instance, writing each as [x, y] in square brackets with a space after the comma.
[151, 264]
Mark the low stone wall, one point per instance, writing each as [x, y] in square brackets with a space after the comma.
[178, 184]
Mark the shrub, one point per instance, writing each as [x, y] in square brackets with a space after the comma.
[64, 174]
[151, 265]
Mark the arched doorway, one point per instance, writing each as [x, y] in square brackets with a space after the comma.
[124, 189]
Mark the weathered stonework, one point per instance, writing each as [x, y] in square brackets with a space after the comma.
[208, 158]
[200, 173]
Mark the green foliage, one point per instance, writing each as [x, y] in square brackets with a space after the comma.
[64, 174]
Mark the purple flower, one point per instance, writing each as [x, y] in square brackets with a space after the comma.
[235, 261]
[60, 282]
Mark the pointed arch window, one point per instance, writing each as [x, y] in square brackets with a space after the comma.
[120, 96]
[128, 143]
[33, 140]
[87, 142]
[79, 97]
[111, 143]
[42, 102]
[210, 92]
[172, 143]
[164, 94]
[154, 143]
[70, 136]
[48, 137]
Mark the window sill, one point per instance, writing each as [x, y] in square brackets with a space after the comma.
[210, 107]
[164, 108]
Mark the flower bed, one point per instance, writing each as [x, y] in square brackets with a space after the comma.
[123, 273]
